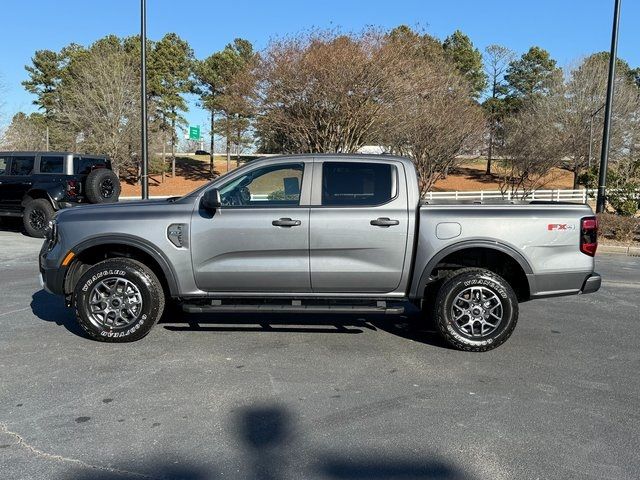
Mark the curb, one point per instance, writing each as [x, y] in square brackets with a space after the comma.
[620, 249]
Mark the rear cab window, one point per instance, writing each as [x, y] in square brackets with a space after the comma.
[4, 165]
[85, 165]
[22, 165]
[358, 183]
[52, 164]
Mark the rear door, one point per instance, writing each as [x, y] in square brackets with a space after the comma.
[358, 226]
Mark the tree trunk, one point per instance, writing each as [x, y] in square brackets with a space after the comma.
[212, 146]
[164, 153]
[238, 149]
[575, 178]
[173, 149]
[228, 145]
[490, 154]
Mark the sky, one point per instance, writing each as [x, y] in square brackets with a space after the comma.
[568, 29]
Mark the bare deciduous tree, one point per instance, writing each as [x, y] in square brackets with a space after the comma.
[432, 119]
[101, 101]
[25, 132]
[336, 93]
[325, 93]
[583, 112]
[534, 145]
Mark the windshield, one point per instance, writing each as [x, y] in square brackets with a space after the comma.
[221, 178]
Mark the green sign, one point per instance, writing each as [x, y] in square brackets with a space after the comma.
[194, 133]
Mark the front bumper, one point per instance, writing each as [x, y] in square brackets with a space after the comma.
[52, 274]
[592, 283]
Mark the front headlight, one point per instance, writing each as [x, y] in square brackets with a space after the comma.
[51, 232]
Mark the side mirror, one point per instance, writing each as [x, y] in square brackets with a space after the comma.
[211, 199]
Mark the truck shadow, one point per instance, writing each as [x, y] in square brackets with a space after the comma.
[270, 444]
[411, 326]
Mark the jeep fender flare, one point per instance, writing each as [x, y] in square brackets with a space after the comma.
[135, 242]
[419, 287]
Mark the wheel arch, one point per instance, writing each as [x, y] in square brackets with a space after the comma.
[494, 256]
[37, 192]
[95, 249]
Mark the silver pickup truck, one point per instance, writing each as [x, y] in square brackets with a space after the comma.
[318, 233]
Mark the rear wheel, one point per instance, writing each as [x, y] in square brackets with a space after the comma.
[475, 310]
[118, 300]
[36, 217]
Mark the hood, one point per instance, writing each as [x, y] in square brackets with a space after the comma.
[125, 209]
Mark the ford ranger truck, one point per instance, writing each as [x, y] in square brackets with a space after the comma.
[318, 233]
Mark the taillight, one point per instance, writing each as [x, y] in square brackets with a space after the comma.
[589, 235]
[72, 188]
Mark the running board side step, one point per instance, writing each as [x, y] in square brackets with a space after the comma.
[295, 306]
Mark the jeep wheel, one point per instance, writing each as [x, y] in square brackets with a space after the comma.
[118, 300]
[102, 186]
[36, 217]
[476, 310]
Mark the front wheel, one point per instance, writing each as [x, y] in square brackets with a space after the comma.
[118, 300]
[37, 215]
[476, 310]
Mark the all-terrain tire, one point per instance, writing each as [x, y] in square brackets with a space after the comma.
[495, 290]
[36, 216]
[102, 186]
[106, 300]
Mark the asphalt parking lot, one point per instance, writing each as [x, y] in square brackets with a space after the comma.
[285, 397]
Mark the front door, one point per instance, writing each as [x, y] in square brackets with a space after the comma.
[4, 188]
[358, 227]
[258, 241]
[18, 181]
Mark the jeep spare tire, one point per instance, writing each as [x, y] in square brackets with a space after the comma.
[102, 186]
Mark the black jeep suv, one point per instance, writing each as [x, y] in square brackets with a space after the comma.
[33, 185]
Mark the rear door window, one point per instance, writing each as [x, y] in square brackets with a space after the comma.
[84, 165]
[52, 164]
[357, 183]
[22, 165]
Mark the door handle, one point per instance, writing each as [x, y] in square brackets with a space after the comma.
[384, 222]
[285, 222]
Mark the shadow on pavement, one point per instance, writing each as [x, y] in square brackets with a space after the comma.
[271, 447]
[12, 224]
[411, 326]
[51, 308]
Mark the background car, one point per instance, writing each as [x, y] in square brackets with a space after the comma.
[33, 185]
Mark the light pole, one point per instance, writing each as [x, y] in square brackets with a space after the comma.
[604, 156]
[143, 98]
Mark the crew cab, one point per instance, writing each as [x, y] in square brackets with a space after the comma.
[318, 233]
[34, 185]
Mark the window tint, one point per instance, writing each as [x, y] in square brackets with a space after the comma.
[52, 164]
[4, 161]
[356, 183]
[22, 165]
[268, 186]
[84, 165]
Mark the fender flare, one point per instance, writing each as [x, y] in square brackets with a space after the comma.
[136, 242]
[465, 245]
[54, 194]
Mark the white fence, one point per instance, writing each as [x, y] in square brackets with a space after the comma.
[581, 195]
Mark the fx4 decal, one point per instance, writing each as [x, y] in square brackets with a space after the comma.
[561, 226]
